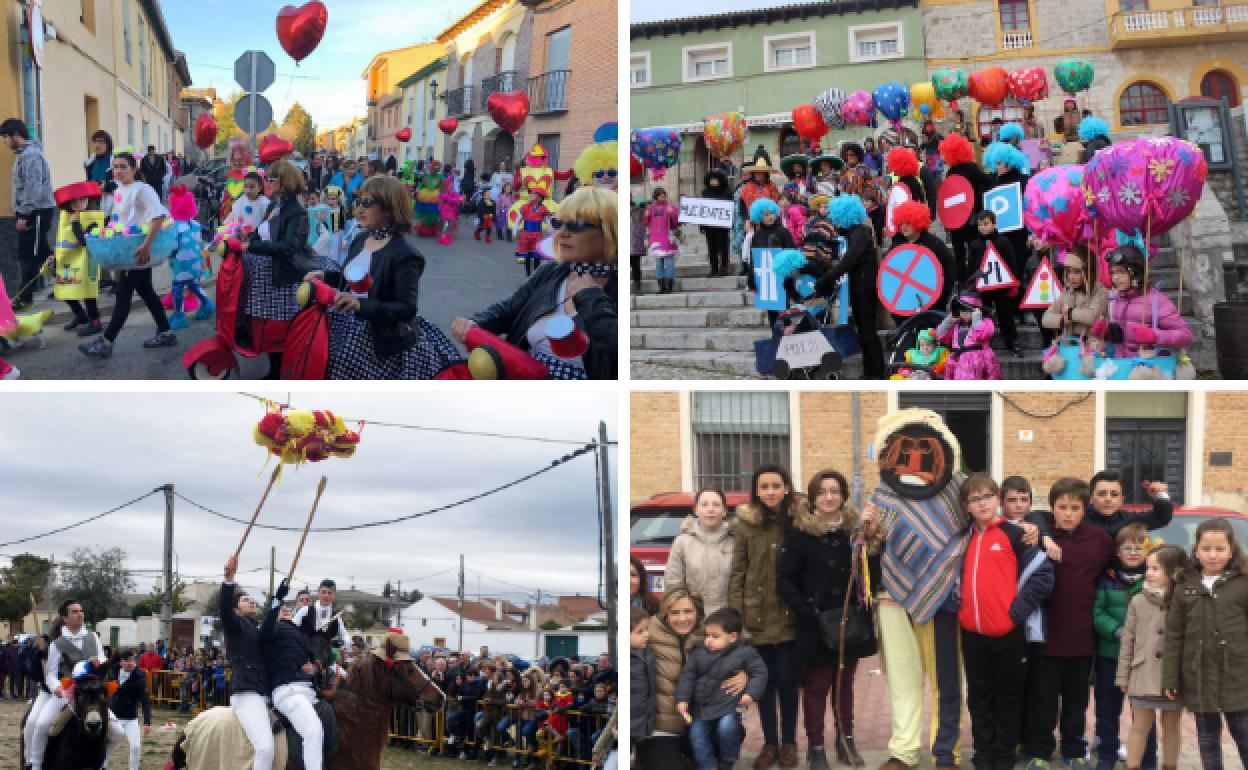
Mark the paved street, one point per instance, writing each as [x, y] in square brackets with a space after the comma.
[459, 279]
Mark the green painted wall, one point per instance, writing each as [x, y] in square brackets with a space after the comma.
[669, 101]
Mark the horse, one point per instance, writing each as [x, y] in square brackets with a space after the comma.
[80, 741]
[361, 705]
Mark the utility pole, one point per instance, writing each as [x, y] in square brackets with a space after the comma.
[537, 626]
[166, 603]
[400, 604]
[608, 530]
[461, 604]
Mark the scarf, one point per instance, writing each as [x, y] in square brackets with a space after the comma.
[596, 269]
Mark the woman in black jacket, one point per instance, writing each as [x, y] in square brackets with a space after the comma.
[715, 186]
[374, 330]
[581, 283]
[859, 262]
[812, 576]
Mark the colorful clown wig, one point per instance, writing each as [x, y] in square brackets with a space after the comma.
[760, 207]
[956, 149]
[786, 262]
[1011, 156]
[847, 211]
[914, 214]
[1092, 127]
[903, 162]
[595, 206]
[601, 156]
[1010, 132]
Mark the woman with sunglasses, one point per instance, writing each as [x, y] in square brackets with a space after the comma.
[374, 331]
[580, 284]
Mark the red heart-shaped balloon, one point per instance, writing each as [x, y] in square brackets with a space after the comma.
[448, 125]
[300, 29]
[403, 134]
[634, 167]
[205, 131]
[508, 109]
[274, 148]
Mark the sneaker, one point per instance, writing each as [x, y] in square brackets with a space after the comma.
[165, 339]
[74, 324]
[97, 348]
[91, 329]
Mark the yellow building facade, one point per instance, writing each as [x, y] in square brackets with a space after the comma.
[143, 53]
[382, 77]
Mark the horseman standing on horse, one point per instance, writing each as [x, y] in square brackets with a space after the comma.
[74, 645]
[130, 695]
[249, 697]
[319, 617]
[290, 665]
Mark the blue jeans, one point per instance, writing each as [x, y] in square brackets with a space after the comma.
[665, 267]
[707, 735]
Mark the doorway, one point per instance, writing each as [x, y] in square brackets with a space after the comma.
[969, 417]
[502, 148]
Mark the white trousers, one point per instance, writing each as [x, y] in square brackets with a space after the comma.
[32, 722]
[44, 713]
[295, 701]
[252, 711]
[134, 738]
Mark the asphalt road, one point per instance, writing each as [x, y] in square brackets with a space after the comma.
[459, 279]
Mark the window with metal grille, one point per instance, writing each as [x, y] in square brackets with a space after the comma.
[1143, 104]
[790, 142]
[1015, 16]
[734, 433]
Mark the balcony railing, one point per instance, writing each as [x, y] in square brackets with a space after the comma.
[1011, 41]
[548, 92]
[1190, 24]
[502, 82]
[459, 102]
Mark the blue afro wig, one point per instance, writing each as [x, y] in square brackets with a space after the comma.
[787, 262]
[1010, 132]
[760, 207]
[1011, 156]
[847, 211]
[1092, 127]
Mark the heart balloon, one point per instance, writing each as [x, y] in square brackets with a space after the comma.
[634, 166]
[299, 30]
[724, 133]
[829, 104]
[989, 86]
[448, 125]
[1147, 184]
[950, 84]
[1053, 206]
[273, 148]
[808, 123]
[1074, 75]
[1029, 84]
[205, 131]
[858, 109]
[403, 134]
[508, 109]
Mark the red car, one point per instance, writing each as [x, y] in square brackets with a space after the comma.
[1182, 530]
[655, 523]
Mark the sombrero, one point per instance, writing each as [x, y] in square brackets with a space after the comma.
[837, 163]
[757, 167]
[76, 190]
[788, 164]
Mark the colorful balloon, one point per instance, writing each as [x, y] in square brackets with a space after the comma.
[829, 104]
[858, 109]
[1148, 184]
[1053, 205]
[724, 133]
[1029, 85]
[808, 123]
[892, 100]
[1074, 75]
[300, 29]
[635, 168]
[205, 131]
[950, 84]
[989, 86]
[508, 109]
[924, 100]
[657, 148]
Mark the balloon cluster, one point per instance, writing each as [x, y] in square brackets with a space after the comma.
[297, 436]
[657, 148]
[114, 230]
[859, 109]
[724, 133]
[1148, 184]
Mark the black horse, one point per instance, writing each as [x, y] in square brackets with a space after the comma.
[82, 742]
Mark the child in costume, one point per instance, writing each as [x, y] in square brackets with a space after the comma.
[827, 176]
[661, 227]
[248, 211]
[485, 215]
[240, 166]
[927, 352]
[968, 333]
[448, 211]
[530, 218]
[77, 279]
[190, 257]
[504, 203]
[794, 212]
[427, 201]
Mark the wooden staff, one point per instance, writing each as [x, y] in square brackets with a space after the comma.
[320, 488]
[247, 533]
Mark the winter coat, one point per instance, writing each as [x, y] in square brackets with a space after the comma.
[860, 263]
[1086, 553]
[1143, 641]
[287, 243]
[661, 220]
[702, 562]
[32, 181]
[1114, 591]
[130, 696]
[980, 183]
[242, 642]
[812, 576]
[670, 653]
[641, 693]
[995, 598]
[701, 679]
[1153, 310]
[1085, 308]
[390, 307]
[775, 236]
[753, 589]
[1206, 654]
[971, 355]
[285, 649]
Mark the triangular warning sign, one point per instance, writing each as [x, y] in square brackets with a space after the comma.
[994, 274]
[1044, 288]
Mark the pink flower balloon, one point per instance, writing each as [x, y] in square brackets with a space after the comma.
[1053, 206]
[858, 109]
[1147, 184]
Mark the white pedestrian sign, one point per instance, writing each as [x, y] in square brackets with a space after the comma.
[994, 273]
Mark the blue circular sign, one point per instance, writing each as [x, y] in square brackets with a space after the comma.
[910, 279]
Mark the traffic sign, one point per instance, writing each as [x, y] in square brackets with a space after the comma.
[955, 202]
[253, 113]
[769, 294]
[1044, 288]
[254, 71]
[1006, 202]
[910, 279]
[994, 273]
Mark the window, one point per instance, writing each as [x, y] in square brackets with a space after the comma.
[558, 44]
[125, 32]
[1010, 111]
[87, 17]
[789, 51]
[147, 132]
[790, 142]
[142, 58]
[705, 62]
[639, 69]
[879, 41]
[1220, 85]
[1133, 5]
[1143, 104]
[734, 433]
[969, 418]
[551, 144]
[1015, 16]
[130, 130]
[463, 151]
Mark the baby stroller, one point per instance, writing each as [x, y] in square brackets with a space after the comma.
[905, 337]
[815, 349]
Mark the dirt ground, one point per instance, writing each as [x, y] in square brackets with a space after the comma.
[157, 745]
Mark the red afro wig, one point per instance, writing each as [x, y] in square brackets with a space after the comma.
[903, 162]
[914, 214]
[956, 149]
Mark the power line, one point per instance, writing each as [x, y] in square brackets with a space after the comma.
[87, 520]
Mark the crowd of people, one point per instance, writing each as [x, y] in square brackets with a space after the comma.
[969, 583]
[811, 199]
[359, 244]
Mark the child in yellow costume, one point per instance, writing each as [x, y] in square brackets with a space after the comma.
[77, 279]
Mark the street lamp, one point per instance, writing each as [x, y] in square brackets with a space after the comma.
[433, 88]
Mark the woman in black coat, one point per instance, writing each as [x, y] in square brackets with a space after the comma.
[580, 284]
[812, 576]
[374, 330]
[715, 186]
[860, 263]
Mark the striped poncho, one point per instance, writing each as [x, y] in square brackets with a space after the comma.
[923, 545]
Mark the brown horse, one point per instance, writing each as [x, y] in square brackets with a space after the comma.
[362, 706]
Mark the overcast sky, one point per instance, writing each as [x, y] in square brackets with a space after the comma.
[652, 10]
[67, 456]
[213, 33]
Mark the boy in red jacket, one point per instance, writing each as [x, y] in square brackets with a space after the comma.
[1004, 582]
[1061, 667]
